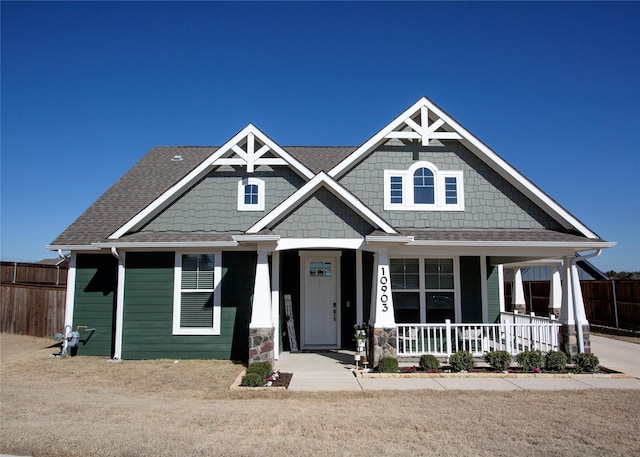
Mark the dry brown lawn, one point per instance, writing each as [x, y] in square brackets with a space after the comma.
[87, 406]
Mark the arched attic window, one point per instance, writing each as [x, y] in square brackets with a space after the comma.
[422, 187]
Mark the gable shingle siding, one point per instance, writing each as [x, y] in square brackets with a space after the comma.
[490, 201]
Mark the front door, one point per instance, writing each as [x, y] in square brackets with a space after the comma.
[320, 305]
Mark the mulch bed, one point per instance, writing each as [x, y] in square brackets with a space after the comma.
[283, 380]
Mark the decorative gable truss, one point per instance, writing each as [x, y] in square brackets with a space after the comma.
[418, 126]
[249, 147]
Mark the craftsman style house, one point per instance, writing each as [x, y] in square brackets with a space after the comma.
[194, 252]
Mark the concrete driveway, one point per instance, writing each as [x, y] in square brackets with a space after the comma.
[617, 355]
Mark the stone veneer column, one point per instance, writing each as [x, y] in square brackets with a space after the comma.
[572, 314]
[382, 344]
[261, 345]
[569, 339]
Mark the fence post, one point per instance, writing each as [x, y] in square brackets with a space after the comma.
[447, 323]
[15, 271]
[615, 302]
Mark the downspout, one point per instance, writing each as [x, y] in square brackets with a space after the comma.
[573, 287]
[115, 253]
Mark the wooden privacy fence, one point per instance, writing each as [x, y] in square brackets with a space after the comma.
[613, 304]
[32, 298]
[32, 310]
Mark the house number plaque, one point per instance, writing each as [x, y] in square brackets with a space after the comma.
[383, 288]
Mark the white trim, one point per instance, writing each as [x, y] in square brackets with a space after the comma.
[71, 291]
[319, 243]
[359, 288]
[70, 247]
[259, 206]
[548, 244]
[275, 302]
[501, 288]
[304, 255]
[117, 344]
[177, 294]
[321, 180]
[200, 171]
[488, 156]
[166, 244]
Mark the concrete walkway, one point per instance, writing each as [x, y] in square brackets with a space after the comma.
[332, 371]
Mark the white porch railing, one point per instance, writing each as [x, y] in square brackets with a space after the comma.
[446, 338]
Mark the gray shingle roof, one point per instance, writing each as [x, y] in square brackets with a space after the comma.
[154, 174]
[502, 235]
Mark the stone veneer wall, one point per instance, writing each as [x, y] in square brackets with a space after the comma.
[569, 339]
[261, 345]
[382, 344]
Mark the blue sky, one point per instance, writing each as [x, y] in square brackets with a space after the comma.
[88, 88]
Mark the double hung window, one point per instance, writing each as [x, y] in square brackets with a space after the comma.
[423, 289]
[196, 307]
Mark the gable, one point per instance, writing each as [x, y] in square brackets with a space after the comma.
[322, 215]
[249, 148]
[490, 201]
[427, 124]
[212, 204]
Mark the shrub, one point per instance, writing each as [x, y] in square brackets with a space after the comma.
[531, 360]
[252, 380]
[555, 361]
[499, 360]
[263, 369]
[429, 362]
[585, 362]
[388, 365]
[461, 361]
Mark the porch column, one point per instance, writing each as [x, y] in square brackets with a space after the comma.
[383, 341]
[574, 333]
[517, 294]
[261, 330]
[555, 292]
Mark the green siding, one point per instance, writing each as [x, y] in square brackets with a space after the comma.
[493, 292]
[94, 302]
[471, 289]
[148, 310]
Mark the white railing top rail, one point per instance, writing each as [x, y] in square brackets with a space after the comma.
[443, 339]
[520, 318]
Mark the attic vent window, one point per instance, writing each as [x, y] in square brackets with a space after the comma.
[177, 158]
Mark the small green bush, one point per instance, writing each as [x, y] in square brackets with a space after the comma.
[555, 361]
[429, 362]
[461, 361]
[530, 360]
[499, 360]
[263, 369]
[252, 380]
[388, 365]
[586, 362]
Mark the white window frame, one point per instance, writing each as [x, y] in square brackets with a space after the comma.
[177, 296]
[440, 202]
[242, 206]
[422, 288]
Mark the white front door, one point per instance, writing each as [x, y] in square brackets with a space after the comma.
[320, 303]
